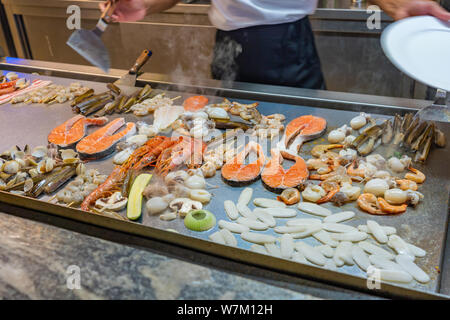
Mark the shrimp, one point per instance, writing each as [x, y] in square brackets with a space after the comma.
[289, 196]
[368, 202]
[406, 184]
[320, 166]
[416, 176]
[388, 208]
[332, 188]
[356, 172]
[319, 150]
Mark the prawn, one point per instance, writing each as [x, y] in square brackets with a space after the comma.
[289, 196]
[368, 202]
[356, 172]
[388, 208]
[331, 187]
[406, 184]
[319, 150]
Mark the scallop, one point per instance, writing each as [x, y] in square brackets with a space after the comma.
[348, 154]
[200, 195]
[137, 140]
[359, 121]
[336, 136]
[395, 164]
[195, 182]
[218, 113]
[313, 193]
[377, 187]
[156, 205]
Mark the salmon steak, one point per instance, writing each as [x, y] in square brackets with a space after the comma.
[102, 142]
[300, 130]
[73, 130]
[236, 173]
[276, 178]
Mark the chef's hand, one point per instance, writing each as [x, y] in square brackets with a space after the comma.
[127, 10]
[400, 9]
[134, 10]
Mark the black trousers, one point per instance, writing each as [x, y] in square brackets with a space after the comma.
[282, 54]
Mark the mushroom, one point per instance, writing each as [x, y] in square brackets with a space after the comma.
[115, 202]
[184, 205]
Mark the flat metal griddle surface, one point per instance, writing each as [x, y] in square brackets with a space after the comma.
[424, 226]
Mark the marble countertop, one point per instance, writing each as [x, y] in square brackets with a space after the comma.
[36, 251]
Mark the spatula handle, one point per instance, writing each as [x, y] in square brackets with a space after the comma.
[109, 10]
[143, 58]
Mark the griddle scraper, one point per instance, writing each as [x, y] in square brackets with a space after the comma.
[127, 82]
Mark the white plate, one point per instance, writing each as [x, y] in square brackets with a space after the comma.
[420, 47]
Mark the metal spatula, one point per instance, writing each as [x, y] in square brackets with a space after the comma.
[439, 110]
[89, 44]
[127, 82]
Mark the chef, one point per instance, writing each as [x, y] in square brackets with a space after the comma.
[268, 41]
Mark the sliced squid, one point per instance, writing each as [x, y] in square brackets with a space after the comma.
[286, 246]
[258, 238]
[233, 227]
[252, 224]
[325, 238]
[409, 266]
[339, 217]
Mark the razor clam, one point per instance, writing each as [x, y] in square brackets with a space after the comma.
[388, 132]
[439, 138]
[416, 145]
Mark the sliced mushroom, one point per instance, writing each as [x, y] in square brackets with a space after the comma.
[115, 202]
[184, 205]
